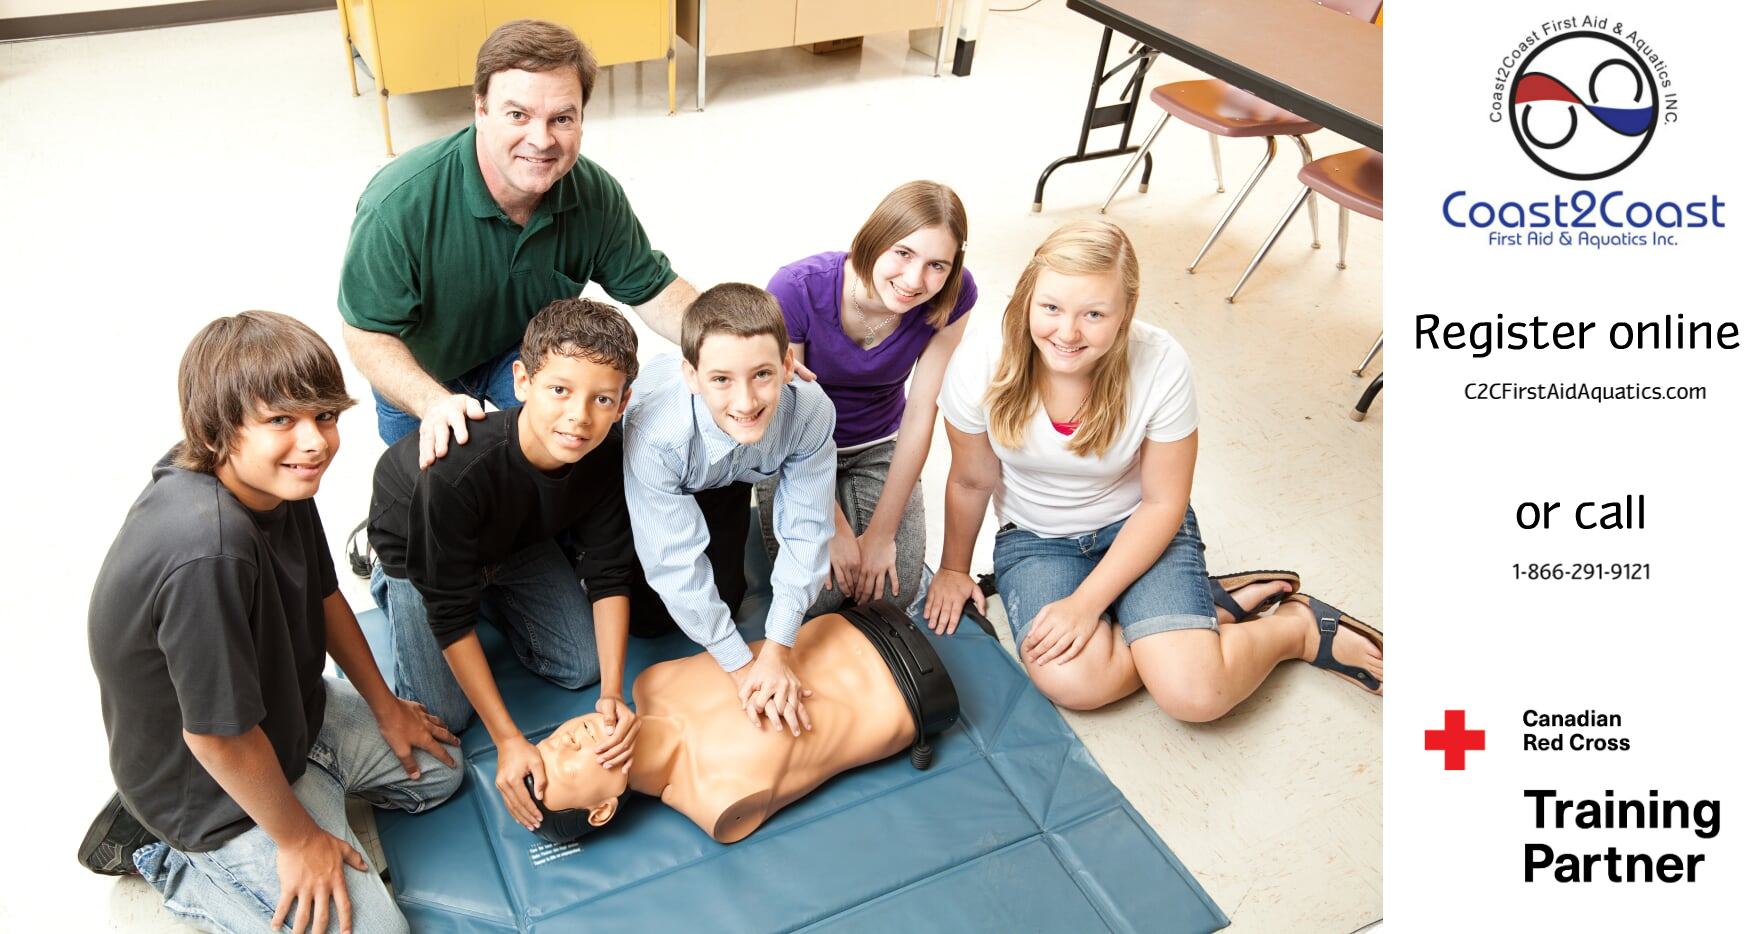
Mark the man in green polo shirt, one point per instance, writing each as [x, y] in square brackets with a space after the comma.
[461, 241]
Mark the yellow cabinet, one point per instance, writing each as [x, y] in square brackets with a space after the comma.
[723, 27]
[425, 45]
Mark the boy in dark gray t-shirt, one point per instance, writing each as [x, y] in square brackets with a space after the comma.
[209, 623]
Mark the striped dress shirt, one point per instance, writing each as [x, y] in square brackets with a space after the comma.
[672, 449]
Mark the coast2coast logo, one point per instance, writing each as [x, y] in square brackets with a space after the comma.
[1597, 130]
[1584, 98]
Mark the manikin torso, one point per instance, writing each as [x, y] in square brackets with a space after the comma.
[698, 752]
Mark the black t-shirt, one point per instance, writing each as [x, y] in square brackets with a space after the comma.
[207, 617]
[482, 503]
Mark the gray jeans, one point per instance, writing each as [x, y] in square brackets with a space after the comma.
[860, 477]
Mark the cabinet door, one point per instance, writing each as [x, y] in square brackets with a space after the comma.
[739, 25]
[823, 20]
[426, 44]
[616, 31]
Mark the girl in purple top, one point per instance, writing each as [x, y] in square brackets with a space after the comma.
[862, 321]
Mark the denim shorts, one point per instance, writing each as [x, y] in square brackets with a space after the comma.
[1032, 571]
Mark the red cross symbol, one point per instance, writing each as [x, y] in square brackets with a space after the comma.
[1454, 740]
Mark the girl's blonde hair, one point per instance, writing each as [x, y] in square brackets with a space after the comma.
[1082, 248]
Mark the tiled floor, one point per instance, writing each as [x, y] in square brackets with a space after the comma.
[155, 180]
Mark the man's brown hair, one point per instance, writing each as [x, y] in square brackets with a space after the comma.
[735, 308]
[534, 45]
[583, 329]
[234, 365]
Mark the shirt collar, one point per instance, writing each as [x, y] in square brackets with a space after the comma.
[475, 189]
[716, 443]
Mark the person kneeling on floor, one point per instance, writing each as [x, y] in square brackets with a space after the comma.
[474, 536]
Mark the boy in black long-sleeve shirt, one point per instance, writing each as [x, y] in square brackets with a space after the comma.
[474, 536]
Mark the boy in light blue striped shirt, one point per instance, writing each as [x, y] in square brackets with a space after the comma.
[728, 413]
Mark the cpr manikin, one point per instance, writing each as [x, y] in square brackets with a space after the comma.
[698, 752]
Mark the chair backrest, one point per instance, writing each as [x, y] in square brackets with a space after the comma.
[1364, 10]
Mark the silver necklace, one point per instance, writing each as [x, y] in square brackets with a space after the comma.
[872, 332]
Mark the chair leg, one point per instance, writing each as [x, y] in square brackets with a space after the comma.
[1215, 153]
[1360, 411]
[1371, 353]
[1342, 236]
[1238, 199]
[1312, 204]
[1134, 161]
[1281, 225]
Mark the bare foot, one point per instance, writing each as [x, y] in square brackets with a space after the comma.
[1253, 595]
[1348, 647]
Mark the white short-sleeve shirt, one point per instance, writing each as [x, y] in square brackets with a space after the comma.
[1045, 486]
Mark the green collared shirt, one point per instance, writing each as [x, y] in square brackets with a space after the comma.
[433, 260]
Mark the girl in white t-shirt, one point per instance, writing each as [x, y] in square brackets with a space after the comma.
[1080, 424]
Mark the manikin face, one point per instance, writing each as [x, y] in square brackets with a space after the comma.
[1075, 319]
[279, 456]
[914, 269]
[576, 780]
[527, 132]
[740, 380]
[570, 405]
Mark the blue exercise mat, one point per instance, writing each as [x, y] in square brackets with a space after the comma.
[1012, 827]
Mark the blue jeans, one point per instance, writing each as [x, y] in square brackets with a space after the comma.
[860, 479]
[534, 596]
[491, 382]
[236, 887]
[1173, 593]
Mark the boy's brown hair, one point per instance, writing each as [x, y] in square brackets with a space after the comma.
[584, 329]
[534, 45]
[251, 359]
[735, 308]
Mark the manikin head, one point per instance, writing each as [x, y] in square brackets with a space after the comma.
[582, 795]
[260, 394]
[736, 357]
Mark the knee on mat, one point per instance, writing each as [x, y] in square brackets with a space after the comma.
[455, 719]
[576, 679]
[452, 778]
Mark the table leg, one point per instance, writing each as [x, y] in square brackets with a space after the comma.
[1136, 64]
[701, 55]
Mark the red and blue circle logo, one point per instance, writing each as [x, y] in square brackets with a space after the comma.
[1585, 106]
